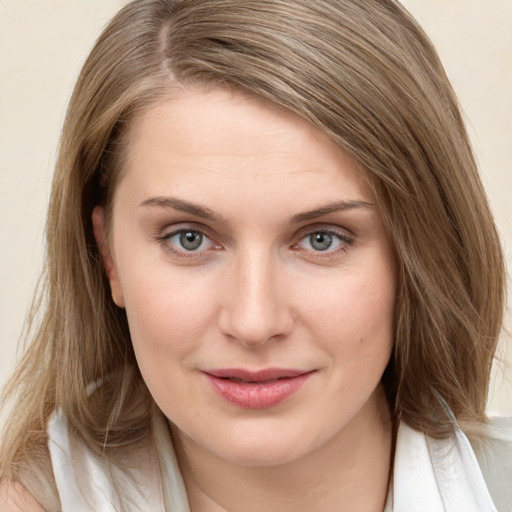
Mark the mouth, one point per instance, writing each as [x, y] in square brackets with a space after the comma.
[257, 389]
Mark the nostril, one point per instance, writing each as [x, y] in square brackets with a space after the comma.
[254, 308]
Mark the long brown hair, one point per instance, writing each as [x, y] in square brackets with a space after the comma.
[363, 72]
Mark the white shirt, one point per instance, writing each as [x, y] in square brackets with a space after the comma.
[429, 475]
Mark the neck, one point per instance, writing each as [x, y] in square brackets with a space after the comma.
[350, 472]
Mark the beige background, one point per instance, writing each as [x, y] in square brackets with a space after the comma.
[44, 42]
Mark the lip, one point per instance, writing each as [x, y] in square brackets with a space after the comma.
[260, 389]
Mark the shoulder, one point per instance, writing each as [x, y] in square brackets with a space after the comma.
[15, 498]
[494, 456]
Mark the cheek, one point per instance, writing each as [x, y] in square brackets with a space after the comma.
[355, 311]
[163, 311]
[166, 331]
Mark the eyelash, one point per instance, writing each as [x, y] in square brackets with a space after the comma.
[345, 241]
[164, 240]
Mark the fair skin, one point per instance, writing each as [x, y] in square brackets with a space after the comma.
[243, 238]
[15, 498]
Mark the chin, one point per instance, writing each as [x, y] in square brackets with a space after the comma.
[262, 454]
[265, 445]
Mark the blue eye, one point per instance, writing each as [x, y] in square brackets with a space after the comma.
[188, 240]
[191, 240]
[323, 241]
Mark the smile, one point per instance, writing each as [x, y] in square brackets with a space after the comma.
[257, 390]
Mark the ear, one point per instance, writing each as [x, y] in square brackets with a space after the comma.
[98, 224]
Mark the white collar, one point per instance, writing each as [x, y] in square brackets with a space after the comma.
[436, 475]
[429, 475]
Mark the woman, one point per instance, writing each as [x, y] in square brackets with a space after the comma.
[267, 282]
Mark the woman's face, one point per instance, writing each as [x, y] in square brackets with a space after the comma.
[257, 277]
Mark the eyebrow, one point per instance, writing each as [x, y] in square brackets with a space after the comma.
[184, 206]
[204, 212]
[338, 206]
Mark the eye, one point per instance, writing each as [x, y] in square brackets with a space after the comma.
[326, 241]
[321, 241]
[187, 242]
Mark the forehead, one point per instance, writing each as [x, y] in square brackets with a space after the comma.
[233, 140]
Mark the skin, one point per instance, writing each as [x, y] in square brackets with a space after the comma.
[15, 498]
[257, 293]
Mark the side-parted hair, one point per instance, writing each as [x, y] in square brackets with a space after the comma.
[363, 72]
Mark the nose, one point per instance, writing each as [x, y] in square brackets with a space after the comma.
[255, 305]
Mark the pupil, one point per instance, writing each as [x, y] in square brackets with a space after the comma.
[190, 240]
[321, 241]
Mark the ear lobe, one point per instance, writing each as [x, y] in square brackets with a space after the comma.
[98, 224]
